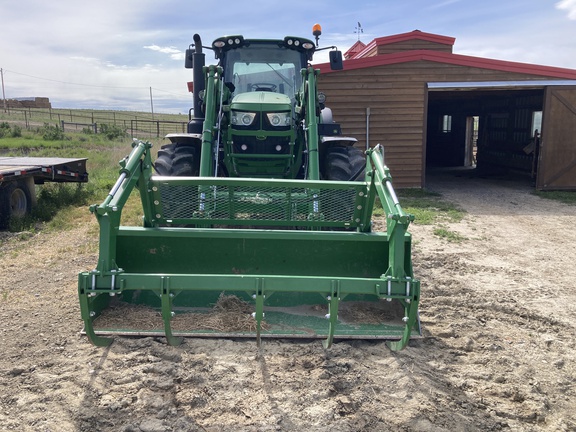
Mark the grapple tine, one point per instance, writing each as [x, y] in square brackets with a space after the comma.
[96, 340]
[332, 314]
[411, 321]
[167, 313]
[88, 314]
[259, 309]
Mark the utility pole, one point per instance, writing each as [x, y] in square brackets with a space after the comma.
[151, 103]
[3, 93]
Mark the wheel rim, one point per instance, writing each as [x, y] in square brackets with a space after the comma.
[18, 203]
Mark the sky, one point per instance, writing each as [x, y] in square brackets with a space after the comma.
[129, 55]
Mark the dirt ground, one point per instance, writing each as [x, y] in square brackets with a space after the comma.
[497, 354]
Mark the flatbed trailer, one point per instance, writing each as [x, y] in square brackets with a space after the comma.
[18, 175]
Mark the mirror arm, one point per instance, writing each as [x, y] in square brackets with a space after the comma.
[325, 48]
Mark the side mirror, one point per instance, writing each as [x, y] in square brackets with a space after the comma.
[336, 62]
[188, 60]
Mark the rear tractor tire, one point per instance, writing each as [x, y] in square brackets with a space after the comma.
[177, 160]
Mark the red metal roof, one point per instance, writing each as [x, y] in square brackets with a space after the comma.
[402, 37]
[360, 60]
[455, 59]
[354, 50]
[415, 34]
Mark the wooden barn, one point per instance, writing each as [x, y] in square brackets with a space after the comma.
[432, 108]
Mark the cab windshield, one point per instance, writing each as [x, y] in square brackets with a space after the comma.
[263, 67]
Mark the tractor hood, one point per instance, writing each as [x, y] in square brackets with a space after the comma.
[261, 101]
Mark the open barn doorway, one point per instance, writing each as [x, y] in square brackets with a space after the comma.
[484, 132]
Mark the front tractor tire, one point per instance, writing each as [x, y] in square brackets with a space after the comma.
[344, 164]
[177, 160]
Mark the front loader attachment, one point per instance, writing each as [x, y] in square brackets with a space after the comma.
[251, 257]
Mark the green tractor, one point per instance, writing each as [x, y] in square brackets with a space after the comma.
[258, 114]
[263, 204]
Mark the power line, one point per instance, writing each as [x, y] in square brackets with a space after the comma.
[72, 83]
[92, 85]
[166, 91]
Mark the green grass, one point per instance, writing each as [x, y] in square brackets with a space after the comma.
[448, 235]
[429, 207]
[561, 196]
[53, 199]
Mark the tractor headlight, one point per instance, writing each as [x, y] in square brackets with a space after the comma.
[279, 119]
[242, 118]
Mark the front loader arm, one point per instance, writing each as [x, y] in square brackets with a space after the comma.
[397, 221]
[109, 213]
[399, 274]
[311, 121]
[209, 130]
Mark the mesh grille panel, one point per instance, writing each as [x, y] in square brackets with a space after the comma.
[258, 203]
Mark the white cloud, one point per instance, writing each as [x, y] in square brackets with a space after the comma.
[166, 50]
[175, 54]
[443, 4]
[569, 6]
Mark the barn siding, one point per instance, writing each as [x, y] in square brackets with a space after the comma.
[396, 95]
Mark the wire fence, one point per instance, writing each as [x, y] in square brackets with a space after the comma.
[136, 124]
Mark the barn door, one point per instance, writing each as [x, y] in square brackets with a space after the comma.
[557, 162]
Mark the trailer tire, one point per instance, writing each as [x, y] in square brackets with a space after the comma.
[15, 201]
[177, 160]
[342, 164]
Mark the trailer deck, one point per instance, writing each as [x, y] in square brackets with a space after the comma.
[44, 169]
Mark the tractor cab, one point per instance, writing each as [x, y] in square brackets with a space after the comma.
[263, 65]
[264, 101]
[263, 131]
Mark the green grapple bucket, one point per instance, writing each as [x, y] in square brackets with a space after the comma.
[251, 258]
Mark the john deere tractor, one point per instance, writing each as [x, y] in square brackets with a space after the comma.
[258, 114]
[262, 200]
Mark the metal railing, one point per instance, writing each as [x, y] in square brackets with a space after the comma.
[155, 128]
[137, 124]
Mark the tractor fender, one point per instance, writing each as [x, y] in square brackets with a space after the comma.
[338, 141]
[327, 142]
[189, 139]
